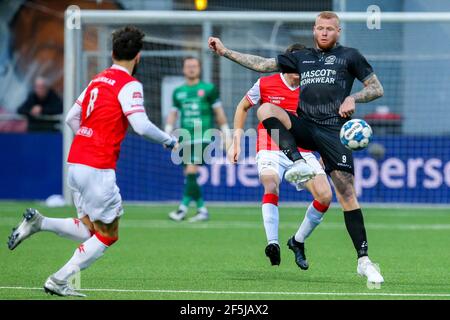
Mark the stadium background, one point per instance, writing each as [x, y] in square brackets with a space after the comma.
[411, 64]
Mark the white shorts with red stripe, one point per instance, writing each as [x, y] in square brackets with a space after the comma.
[95, 193]
[277, 162]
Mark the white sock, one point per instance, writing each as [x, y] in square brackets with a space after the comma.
[73, 229]
[183, 208]
[270, 218]
[313, 218]
[85, 255]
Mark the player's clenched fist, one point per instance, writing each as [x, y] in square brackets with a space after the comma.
[233, 152]
[216, 46]
[347, 108]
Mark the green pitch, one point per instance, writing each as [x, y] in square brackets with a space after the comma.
[224, 258]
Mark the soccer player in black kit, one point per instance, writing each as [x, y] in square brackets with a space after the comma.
[327, 73]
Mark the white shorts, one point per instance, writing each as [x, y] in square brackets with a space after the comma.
[95, 193]
[278, 162]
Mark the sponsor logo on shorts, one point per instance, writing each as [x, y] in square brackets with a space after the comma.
[345, 165]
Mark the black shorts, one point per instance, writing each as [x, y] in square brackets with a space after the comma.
[325, 140]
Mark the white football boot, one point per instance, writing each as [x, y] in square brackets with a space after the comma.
[60, 288]
[367, 268]
[202, 215]
[31, 223]
[299, 172]
[177, 215]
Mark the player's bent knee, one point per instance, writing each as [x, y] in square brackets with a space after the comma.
[270, 182]
[191, 169]
[324, 197]
[324, 200]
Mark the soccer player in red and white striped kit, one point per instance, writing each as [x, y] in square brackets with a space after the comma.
[99, 119]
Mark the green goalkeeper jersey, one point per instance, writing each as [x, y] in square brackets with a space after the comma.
[195, 105]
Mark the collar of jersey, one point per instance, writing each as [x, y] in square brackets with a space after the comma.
[287, 84]
[337, 46]
[116, 66]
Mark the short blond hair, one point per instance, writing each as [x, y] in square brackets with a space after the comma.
[329, 15]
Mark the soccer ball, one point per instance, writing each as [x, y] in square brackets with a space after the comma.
[356, 134]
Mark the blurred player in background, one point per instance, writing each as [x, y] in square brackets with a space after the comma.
[327, 75]
[282, 90]
[198, 104]
[99, 119]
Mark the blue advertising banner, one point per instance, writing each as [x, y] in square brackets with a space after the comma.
[30, 165]
[412, 170]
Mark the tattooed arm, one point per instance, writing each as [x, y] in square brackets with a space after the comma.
[252, 62]
[249, 61]
[371, 91]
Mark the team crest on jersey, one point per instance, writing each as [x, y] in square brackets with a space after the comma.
[330, 59]
[200, 92]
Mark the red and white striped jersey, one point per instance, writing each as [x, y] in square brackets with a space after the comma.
[275, 90]
[110, 97]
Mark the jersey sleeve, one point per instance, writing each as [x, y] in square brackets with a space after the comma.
[175, 101]
[80, 99]
[254, 94]
[214, 97]
[359, 67]
[287, 63]
[131, 98]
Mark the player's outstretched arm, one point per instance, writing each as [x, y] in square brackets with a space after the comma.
[240, 116]
[170, 122]
[249, 61]
[371, 91]
[144, 127]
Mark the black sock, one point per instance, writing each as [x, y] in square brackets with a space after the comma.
[286, 141]
[354, 222]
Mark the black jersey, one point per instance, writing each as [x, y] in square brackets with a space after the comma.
[326, 79]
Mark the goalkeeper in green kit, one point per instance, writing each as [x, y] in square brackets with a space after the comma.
[198, 104]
